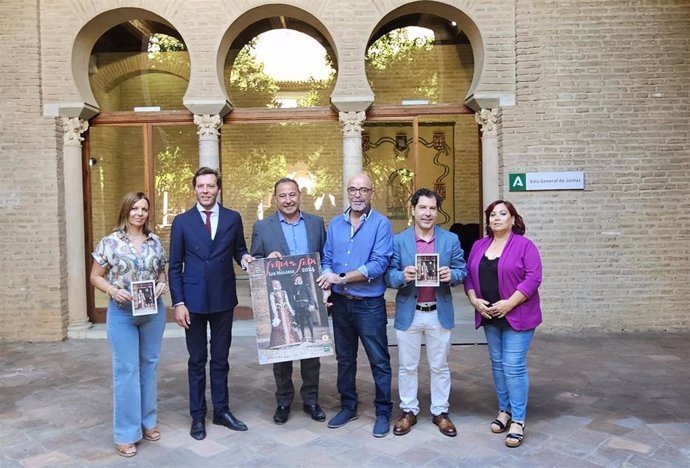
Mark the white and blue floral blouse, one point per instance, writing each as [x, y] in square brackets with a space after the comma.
[116, 253]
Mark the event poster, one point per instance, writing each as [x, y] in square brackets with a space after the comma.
[290, 316]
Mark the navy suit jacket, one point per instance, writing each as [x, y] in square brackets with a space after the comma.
[448, 247]
[267, 235]
[201, 272]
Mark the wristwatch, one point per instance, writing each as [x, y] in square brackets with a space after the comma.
[343, 278]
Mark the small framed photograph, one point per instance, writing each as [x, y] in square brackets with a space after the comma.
[427, 270]
[144, 297]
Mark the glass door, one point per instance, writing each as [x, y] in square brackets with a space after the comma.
[439, 152]
[156, 158]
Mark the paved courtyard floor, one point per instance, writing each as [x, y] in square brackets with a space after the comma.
[612, 400]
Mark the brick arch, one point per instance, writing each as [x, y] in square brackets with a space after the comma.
[90, 33]
[451, 13]
[112, 75]
[252, 16]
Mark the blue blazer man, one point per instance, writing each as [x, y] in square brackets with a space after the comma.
[203, 243]
[201, 269]
[268, 237]
[424, 314]
[450, 255]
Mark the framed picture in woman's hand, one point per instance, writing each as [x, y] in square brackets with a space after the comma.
[144, 298]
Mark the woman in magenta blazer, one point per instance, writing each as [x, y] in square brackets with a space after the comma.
[503, 277]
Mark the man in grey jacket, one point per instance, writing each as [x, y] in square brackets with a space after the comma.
[290, 231]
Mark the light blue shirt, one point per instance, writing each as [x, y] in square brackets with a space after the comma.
[295, 235]
[367, 249]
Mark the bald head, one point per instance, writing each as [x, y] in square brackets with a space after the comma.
[362, 180]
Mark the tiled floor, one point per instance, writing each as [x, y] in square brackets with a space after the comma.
[596, 400]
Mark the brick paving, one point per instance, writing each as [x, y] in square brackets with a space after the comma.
[596, 400]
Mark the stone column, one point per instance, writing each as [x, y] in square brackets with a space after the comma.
[351, 123]
[487, 119]
[209, 149]
[74, 220]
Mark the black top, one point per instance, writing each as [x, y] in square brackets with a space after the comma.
[488, 284]
[488, 279]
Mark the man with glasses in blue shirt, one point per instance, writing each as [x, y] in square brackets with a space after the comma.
[359, 245]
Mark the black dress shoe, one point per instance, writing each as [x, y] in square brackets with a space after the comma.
[229, 421]
[315, 412]
[198, 430]
[281, 414]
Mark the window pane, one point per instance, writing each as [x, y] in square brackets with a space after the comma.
[175, 159]
[117, 168]
[255, 156]
[447, 163]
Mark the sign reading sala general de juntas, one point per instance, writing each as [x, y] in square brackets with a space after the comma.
[527, 181]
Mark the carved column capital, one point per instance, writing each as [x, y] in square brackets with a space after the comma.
[73, 127]
[351, 123]
[487, 119]
[209, 126]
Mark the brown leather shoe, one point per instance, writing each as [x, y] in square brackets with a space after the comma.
[445, 425]
[405, 423]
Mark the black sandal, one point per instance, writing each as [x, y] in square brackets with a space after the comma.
[500, 425]
[513, 439]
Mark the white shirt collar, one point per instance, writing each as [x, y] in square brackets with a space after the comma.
[214, 210]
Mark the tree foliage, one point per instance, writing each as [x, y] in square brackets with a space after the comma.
[396, 54]
[252, 180]
[249, 84]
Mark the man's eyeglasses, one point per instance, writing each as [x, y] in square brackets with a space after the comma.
[363, 190]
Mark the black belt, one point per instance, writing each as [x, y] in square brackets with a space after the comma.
[351, 297]
[428, 308]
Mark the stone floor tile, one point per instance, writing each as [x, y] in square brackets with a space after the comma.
[207, 448]
[629, 445]
[47, 459]
[607, 456]
[609, 400]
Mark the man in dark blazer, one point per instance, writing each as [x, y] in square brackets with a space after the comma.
[290, 231]
[425, 313]
[203, 243]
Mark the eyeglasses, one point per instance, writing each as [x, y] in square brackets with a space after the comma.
[363, 190]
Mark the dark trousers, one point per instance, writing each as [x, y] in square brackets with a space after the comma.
[364, 320]
[303, 317]
[197, 346]
[285, 390]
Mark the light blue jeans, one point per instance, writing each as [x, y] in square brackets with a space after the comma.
[136, 344]
[508, 354]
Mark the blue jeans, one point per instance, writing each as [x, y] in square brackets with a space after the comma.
[363, 320]
[136, 344]
[508, 353]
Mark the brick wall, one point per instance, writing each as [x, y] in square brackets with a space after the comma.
[603, 88]
[32, 269]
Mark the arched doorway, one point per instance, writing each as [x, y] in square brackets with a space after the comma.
[143, 139]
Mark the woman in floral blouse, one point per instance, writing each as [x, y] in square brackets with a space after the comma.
[132, 253]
